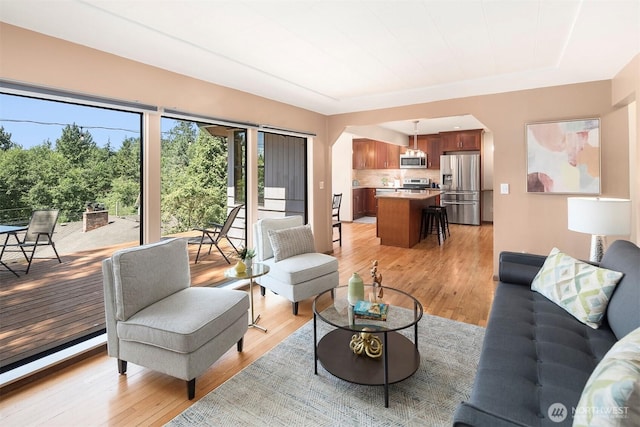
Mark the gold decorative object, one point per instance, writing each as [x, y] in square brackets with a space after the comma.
[377, 293]
[366, 343]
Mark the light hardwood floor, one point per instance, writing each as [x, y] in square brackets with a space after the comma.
[454, 280]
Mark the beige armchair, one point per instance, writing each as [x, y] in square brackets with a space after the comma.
[157, 320]
[297, 271]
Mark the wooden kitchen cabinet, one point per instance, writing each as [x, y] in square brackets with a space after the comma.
[364, 154]
[371, 203]
[466, 140]
[429, 144]
[370, 154]
[359, 202]
[433, 151]
[421, 143]
[387, 156]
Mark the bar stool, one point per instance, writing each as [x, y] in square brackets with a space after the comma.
[444, 218]
[432, 220]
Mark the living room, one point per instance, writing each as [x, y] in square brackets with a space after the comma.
[523, 222]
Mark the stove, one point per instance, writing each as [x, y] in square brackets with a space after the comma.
[416, 183]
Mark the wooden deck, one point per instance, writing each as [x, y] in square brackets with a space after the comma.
[56, 304]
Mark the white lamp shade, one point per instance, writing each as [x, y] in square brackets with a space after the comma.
[599, 215]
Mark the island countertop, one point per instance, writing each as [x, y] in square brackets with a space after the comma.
[412, 194]
[400, 215]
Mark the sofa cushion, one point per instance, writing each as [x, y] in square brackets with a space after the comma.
[291, 241]
[581, 289]
[186, 320]
[302, 268]
[134, 269]
[623, 314]
[612, 394]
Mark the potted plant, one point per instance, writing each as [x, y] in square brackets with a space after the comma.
[246, 257]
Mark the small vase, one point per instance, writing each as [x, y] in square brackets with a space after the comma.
[240, 267]
[356, 289]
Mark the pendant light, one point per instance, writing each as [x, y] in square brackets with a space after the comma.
[416, 151]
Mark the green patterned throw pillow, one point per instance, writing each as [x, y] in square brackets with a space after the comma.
[611, 396]
[580, 288]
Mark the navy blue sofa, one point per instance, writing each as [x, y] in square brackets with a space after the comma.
[535, 354]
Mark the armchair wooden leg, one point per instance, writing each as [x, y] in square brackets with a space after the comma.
[191, 389]
[240, 344]
[122, 367]
[262, 290]
[294, 306]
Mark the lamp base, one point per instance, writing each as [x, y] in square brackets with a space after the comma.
[597, 248]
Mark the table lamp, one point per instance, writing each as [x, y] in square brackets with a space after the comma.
[600, 217]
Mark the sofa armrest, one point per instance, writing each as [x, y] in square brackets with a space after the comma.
[468, 415]
[519, 268]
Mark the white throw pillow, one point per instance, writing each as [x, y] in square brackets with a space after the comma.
[611, 396]
[580, 288]
[291, 241]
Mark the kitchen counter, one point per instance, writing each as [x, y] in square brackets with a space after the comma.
[400, 216]
[411, 194]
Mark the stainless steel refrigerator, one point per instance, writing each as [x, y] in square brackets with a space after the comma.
[460, 182]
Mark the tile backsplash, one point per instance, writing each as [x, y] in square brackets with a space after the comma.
[377, 177]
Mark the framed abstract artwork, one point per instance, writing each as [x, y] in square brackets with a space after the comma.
[563, 157]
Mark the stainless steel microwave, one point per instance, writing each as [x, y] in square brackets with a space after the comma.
[408, 161]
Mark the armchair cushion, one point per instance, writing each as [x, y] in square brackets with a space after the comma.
[135, 269]
[263, 244]
[163, 324]
[302, 268]
[291, 241]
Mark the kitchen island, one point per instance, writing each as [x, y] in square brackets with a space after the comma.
[400, 214]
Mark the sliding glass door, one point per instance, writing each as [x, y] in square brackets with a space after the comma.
[85, 162]
[203, 177]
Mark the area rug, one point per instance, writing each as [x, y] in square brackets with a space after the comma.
[280, 388]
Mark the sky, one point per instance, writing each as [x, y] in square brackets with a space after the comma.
[18, 114]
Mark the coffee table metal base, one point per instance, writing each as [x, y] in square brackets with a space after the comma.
[400, 359]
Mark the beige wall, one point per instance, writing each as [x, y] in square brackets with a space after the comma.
[522, 221]
[33, 58]
[626, 94]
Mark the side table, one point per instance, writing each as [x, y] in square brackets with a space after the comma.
[10, 230]
[255, 270]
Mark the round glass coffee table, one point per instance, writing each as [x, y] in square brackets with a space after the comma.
[400, 357]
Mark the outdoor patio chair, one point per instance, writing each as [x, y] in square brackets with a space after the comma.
[39, 233]
[214, 233]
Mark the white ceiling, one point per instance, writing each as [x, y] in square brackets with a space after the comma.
[352, 55]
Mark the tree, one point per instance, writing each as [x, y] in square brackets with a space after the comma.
[5, 140]
[194, 178]
[75, 144]
[124, 190]
[14, 178]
